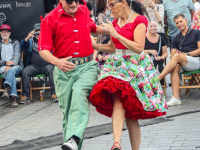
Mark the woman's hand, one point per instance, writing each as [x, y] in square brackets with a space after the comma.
[151, 4]
[105, 58]
[111, 29]
[154, 52]
[158, 58]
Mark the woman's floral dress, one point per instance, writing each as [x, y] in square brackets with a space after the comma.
[133, 78]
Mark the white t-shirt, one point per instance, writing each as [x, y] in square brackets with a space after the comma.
[197, 6]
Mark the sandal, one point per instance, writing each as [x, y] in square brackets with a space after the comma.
[116, 147]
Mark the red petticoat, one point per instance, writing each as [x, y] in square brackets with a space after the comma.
[101, 98]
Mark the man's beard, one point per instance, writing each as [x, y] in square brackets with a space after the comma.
[5, 37]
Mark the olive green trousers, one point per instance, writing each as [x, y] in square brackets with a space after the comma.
[72, 90]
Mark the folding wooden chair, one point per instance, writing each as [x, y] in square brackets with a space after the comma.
[193, 81]
[32, 84]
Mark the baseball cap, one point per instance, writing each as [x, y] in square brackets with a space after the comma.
[5, 27]
[36, 26]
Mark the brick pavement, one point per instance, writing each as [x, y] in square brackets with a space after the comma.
[38, 120]
[180, 134]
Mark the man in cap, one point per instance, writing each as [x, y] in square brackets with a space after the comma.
[66, 30]
[10, 63]
[35, 65]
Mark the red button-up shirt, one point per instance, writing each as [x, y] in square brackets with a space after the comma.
[65, 35]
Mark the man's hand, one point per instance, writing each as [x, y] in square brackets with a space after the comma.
[8, 63]
[30, 35]
[64, 65]
[6, 69]
[100, 57]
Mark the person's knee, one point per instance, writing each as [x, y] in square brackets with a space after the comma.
[49, 69]
[26, 72]
[177, 68]
[11, 71]
[131, 123]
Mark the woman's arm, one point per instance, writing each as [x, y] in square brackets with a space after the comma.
[107, 48]
[151, 51]
[157, 15]
[164, 52]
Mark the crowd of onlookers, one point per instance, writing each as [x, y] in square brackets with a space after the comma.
[168, 20]
[11, 64]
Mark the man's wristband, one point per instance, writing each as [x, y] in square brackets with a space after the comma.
[4, 63]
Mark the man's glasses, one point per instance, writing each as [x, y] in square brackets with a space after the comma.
[69, 2]
[113, 4]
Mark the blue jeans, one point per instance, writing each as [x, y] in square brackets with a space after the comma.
[11, 80]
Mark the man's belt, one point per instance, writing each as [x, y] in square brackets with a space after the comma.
[79, 61]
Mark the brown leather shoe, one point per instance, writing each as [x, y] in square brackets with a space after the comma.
[14, 102]
[6, 93]
[54, 98]
[24, 100]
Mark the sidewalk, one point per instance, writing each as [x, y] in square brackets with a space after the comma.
[42, 119]
[180, 134]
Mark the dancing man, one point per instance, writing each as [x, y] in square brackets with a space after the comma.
[66, 30]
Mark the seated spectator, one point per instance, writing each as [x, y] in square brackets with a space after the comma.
[156, 12]
[103, 14]
[89, 6]
[35, 65]
[10, 63]
[155, 46]
[174, 7]
[185, 55]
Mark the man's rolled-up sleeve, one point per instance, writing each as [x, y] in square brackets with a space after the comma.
[93, 26]
[46, 36]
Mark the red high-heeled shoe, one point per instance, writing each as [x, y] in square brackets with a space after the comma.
[116, 147]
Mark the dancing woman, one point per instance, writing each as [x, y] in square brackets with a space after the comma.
[128, 86]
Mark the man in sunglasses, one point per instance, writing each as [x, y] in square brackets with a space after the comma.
[66, 30]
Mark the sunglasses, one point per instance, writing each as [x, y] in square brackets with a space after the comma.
[69, 2]
[113, 4]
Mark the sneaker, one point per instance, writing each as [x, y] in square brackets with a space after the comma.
[6, 93]
[70, 145]
[54, 98]
[173, 101]
[24, 100]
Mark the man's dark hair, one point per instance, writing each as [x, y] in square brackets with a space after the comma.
[179, 15]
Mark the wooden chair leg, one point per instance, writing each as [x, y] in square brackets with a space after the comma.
[1, 83]
[21, 86]
[191, 82]
[33, 85]
[31, 94]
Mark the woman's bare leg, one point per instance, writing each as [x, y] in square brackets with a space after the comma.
[118, 118]
[134, 133]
